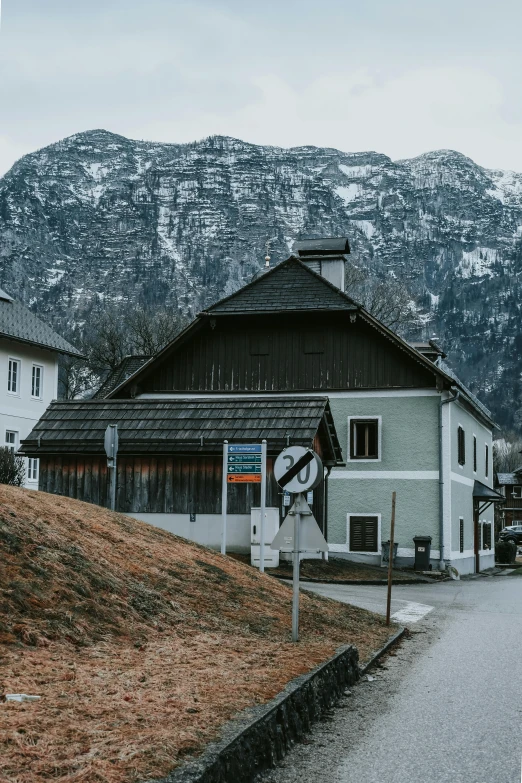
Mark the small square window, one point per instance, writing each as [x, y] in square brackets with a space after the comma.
[363, 533]
[364, 439]
[13, 376]
[11, 440]
[37, 382]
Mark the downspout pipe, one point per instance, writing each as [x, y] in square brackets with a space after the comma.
[456, 395]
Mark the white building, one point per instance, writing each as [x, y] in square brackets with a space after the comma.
[29, 352]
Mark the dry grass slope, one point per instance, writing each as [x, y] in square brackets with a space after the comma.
[140, 644]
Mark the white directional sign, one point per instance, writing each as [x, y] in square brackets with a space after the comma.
[298, 469]
[310, 537]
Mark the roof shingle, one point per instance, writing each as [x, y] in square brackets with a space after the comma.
[19, 323]
[290, 285]
[177, 426]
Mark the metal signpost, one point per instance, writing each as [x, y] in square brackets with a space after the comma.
[111, 450]
[244, 463]
[298, 470]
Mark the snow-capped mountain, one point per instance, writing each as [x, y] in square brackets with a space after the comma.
[98, 216]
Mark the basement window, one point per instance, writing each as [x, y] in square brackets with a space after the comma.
[363, 533]
[364, 438]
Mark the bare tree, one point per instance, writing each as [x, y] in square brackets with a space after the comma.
[111, 335]
[388, 300]
[507, 455]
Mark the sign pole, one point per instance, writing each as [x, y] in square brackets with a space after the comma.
[111, 449]
[390, 562]
[263, 508]
[113, 484]
[224, 491]
[295, 597]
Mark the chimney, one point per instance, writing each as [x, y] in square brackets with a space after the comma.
[326, 257]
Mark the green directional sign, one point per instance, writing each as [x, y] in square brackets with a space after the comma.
[245, 468]
[250, 458]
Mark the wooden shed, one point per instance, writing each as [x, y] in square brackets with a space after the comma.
[169, 467]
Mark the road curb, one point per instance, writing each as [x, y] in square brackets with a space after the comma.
[384, 649]
[312, 580]
[262, 736]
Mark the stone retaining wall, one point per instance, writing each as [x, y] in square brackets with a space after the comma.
[263, 735]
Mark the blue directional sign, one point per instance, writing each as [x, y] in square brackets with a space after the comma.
[244, 448]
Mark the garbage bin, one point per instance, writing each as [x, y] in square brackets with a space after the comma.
[422, 553]
[385, 551]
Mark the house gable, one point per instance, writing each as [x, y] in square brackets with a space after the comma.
[281, 353]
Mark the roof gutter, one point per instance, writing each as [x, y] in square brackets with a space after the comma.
[456, 395]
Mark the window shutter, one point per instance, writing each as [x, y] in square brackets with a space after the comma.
[363, 534]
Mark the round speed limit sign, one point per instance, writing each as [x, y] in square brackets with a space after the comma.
[298, 469]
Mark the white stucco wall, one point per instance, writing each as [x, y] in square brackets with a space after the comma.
[20, 412]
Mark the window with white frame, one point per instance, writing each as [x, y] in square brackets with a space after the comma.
[13, 376]
[364, 438]
[32, 469]
[363, 533]
[11, 440]
[37, 382]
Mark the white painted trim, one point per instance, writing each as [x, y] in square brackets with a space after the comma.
[458, 555]
[319, 393]
[363, 552]
[446, 476]
[469, 482]
[401, 551]
[18, 376]
[419, 475]
[378, 419]
[41, 368]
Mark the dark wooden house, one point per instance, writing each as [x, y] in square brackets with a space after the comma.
[400, 417]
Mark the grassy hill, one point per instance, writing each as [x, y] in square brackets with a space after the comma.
[140, 644]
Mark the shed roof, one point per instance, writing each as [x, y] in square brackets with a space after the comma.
[127, 367]
[291, 285]
[182, 426]
[17, 322]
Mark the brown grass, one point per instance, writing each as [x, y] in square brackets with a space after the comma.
[140, 644]
[335, 569]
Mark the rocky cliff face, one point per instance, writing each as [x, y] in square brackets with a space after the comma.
[98, 217]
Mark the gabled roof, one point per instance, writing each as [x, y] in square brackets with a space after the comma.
[127, 367]
[505, 479]
[17, 322]
[182, 426]
[291, 285]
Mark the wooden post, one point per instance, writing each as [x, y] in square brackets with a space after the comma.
[390, 562]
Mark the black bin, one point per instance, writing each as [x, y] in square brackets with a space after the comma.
[422, 553]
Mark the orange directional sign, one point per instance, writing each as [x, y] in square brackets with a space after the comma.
[243, 478]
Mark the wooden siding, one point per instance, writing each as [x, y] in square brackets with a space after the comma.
[316, 353]
[158, 485]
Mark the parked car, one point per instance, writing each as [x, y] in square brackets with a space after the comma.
[511, 533]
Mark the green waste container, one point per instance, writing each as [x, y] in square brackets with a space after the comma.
[422, 553]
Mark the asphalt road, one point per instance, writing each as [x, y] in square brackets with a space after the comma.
[446, 708]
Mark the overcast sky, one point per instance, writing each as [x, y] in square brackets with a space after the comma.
[398, 76]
